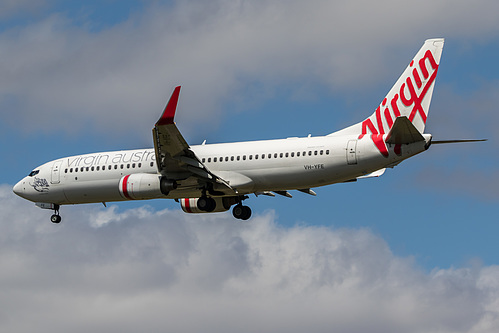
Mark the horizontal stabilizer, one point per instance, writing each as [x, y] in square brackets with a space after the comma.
[376, 173]
[403, 132]
[437, 142]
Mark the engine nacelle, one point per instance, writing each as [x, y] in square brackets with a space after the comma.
[190, 205]
[140, 186]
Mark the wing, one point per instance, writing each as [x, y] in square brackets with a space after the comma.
[175, 159]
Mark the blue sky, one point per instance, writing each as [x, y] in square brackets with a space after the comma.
[80, 78]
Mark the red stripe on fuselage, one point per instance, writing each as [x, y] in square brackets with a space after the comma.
[380, 144]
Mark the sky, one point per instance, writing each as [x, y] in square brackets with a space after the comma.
[412, 251]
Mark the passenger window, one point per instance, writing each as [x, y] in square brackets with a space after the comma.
[65, 170]
[287, 155]
[203, 160]
[256, 157]
[270, 155]
[226, 158]
[71, 170]
[214, 159]
[327, 152]
[315, 152]
[116, 166]
[122, 166]
[310, 153]
[209, 159]
[140, 165]
[275, 155]
[298, 154]
[244, 157]
[92, 169]
[232, 158]
[322, 152]
[292, 154]
[152, 164]
[133, 165]
[238, 157]
[251, 157]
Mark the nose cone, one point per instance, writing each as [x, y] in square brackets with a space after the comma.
[19, 188]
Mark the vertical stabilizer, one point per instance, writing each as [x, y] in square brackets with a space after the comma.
[409, 97]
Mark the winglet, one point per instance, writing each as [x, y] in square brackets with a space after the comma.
[171, 107]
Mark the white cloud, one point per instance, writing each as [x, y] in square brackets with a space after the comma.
[13, 7]
[57, 74]
[165, 270]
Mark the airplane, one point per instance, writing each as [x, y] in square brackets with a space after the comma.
[215, 177]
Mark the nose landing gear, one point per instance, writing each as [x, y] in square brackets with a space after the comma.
[56, 218]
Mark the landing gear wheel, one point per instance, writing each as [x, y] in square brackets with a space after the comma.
[206, 204]
[241, 212]
[246, 213]
[55, 218]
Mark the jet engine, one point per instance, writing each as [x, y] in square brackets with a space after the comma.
[207, 205]
[140, 186]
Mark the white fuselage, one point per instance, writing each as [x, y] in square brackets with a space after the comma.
[215, 177]
[249, 167]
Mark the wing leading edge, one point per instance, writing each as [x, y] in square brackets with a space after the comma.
[175, 159]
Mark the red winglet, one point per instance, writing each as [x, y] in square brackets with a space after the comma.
[171, 107]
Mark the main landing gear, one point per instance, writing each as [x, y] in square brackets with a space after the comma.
[241, 212]
[206, 204]
[209, 204]
[56, 218]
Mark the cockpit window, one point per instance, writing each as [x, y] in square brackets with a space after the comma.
[34, 173]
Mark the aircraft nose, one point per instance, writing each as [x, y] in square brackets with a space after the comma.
[19, 188]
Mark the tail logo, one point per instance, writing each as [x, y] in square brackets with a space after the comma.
[411, 93]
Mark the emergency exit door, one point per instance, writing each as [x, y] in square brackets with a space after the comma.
[56, 172]
[352, 152]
